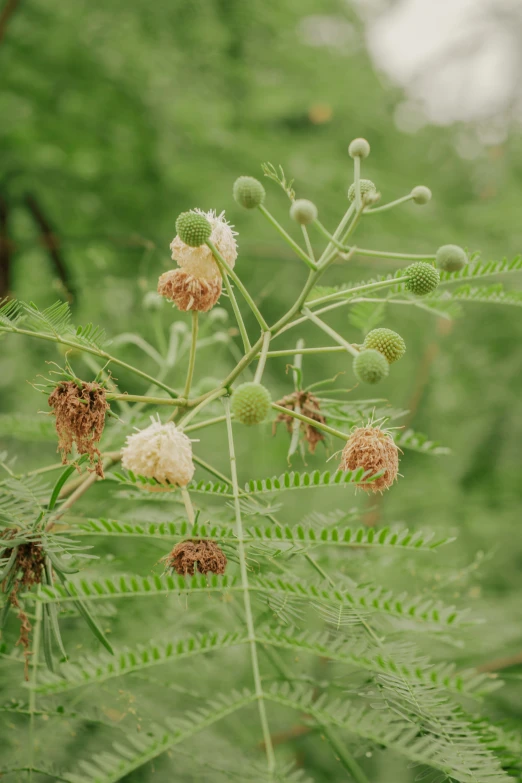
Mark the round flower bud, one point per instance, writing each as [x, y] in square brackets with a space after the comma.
[451, 258]
[303, 211]
[367, 187]
[193, 229]
[374, 450]
[421, 194]
[161, 451]
[251, 403]
[370, 366]
[387, 342]
[422, 278]
[359, 148]
[248, 192]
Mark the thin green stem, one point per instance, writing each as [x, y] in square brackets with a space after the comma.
[52, 338]
[390, 205]
[295, 247]
[306, 351]
[189, 508]
[192, 354]
[241, 551]
[357, 289]
[357, 181]
[308, 243]
[317, 424]
[224, 267]
[337, 233]
[343, 754]
[34, 682]
[203, 404]
[262, 357]
[237, 313]
[202, 424]
[363, 251]
[328, 330]
[178, 402]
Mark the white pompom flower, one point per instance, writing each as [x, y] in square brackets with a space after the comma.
[199, 261]
[161, 451]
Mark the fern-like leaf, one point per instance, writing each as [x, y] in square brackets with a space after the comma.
[139, 749]
[462, 757]
[96, 669]
[312, 480]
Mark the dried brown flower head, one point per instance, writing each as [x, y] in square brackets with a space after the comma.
[206, 554]
[372, 449]
[80, 419]
[26, 572]
[189, 292]
[309, 406]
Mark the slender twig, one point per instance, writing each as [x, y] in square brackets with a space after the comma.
[357, 181]
[202, 424]
[34, 679]
[317, 424]
[390, 204]
[237, 313]
[54, 338]
[203, 404]
[189, 508]
[51, 243]
[262, 358]
[295, 247]
[241, 551]
[308, 243]
[224, 267]
[192, 355]
[364, 251]
[328, 330]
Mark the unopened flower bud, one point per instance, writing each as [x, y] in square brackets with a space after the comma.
[303, 211]
[359, 148]
[248, 192]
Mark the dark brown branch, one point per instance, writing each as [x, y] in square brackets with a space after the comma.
[51, 242]
[5, 14]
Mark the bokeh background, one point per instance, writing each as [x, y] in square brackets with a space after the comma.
[117, 116]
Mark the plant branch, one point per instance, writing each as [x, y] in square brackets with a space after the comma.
[237, 313]
[262, 357]
[317, 424]
[192, 355]
[225, 268]
[328, 330]
[288, 239]
[241, 551]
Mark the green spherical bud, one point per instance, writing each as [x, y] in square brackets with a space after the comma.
[303, 211]
[421, 194]
[422, 278]
[248, 192]
[251, 403]
[387, 342]
[367, 188]
[193, 229]
[451, 258]
[359, 148]
[370, 366]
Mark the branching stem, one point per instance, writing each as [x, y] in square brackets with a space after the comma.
[241, 551]
[288, 239]
[328, 330]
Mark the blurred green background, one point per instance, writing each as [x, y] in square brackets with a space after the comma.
[116, 117]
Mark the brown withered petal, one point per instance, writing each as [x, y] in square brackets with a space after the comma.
[372, 449]
[189, 292]
[204, 554]
[309, 406]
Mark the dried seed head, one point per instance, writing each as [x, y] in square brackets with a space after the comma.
[422, 278]
[189, 292]
[80, 419]
[359, 148]
[367, 189]
[372, 449]
[193, 229]
[204, 555]
[199, 261]
[451, 258]
[387, 342]
[161, 451]
[421, 194]
[248, 192]
[370, 366]
[309, 406]
[251, 403]
[303, 211]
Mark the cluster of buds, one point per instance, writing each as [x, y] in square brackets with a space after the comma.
[196, 284]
